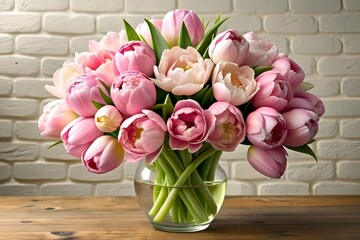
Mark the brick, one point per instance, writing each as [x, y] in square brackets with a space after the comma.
[96, 5]
[351, 87]
[308, 64]
[261, 6]
[348, 169]
[225, 166]
[129, 169]
[18, 151]
[150, 6]
[79, 172]
[32, 88]
[18, 107]
[57, 152]
[307, 171]
[114, 23]
[42, 5]
[18, 190]
[5, 129]
[241, 23]
[339, 66]
[66, 23]
[124, 188]
[324, 87]
[235, 188]
[6, 43]
[290, 23]
[315, 6]
[340, 23]
[351, 43]
[315, 44]
[6, 5]
[351, 5]
[243, 170]
[81, 44]
[18, 65]
[327, 128]
[338, 149]
[202, 6]
[283, 188]
[5, 171]
[238, 154]
[66, 189]
[19, 22]
[27, 130]
[49, 65]
[336, 188]
[39, 171]
[349, 128]
[6, 86]
[341, 107]
[44, 45]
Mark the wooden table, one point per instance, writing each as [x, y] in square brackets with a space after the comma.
[300, 217]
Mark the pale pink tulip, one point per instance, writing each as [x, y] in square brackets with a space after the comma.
[229, 129]
[269, 162]
[234, 84]
[302, 126]
[108, 118]
[229, 46]
[189, 126]
[172, 25]
[142, 136]
[111, 41]
[92, 61]
[64, 77]
[266, 128]
[274, 92]
[135, 56]
[56, 115]
[261, 52]
[132, 92]
[81, 94]
[78, 135]
[144, 31]
[306, 100]
[291, 71]
[182, 71]
[103, 155]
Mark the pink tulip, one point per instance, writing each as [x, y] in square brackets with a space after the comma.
[92, 61]
[142, 136]
[229, 129]
[144, 31]
[182, 71]
[229, 46]
[306, 100]
[302, 126]
[269, 162]
[234, 84]
[111, 41]
[81, 94]
[266, 128]
[132, 92]
[78, 135]
[103, 155]
[261, 52]
[173, 21]
[108, 118]
[291, 71]
[135, 56]
[274, 92]
[56, 115]
[189, 126]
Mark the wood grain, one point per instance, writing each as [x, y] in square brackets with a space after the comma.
[299, 217]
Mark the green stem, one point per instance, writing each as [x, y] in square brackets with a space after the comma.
[213, 164]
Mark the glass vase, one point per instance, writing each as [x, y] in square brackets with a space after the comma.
[174, 207]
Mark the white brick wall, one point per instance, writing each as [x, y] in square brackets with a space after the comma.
[37, 36]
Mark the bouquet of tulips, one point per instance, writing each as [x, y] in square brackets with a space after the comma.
[174, 92]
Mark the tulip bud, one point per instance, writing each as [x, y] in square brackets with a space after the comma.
[108, 118]
[291, 71]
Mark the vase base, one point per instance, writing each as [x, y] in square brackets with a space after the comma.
[167, 227]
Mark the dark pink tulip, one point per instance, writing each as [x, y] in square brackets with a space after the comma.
[266, 128]
[306, 100]
[291, 71]
[269, 162]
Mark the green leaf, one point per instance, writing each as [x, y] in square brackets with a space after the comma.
[304, 149]
[160, 95]
[56, 143]
[158, 41]
[260, 69]
[106, 98]
[203, 45]
[168, 108]
[208, 98]
[107, 88]
[306, 86]
[184, 38]
[97, 104]
[200, 95]
[157, 107]
[130, 32]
